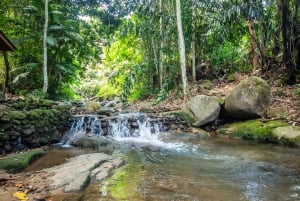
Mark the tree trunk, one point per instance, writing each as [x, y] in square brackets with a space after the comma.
[154, 75]
[255, 62]
[287, 43]
[181, 46]
[161, 54]
[6, 87]
[45, 68]
[194, 42]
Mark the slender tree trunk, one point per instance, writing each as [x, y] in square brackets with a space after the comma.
[6, 87]
[161, 54]
[255, 62]
[45, 68]
[194, 42]
[154, 75]
[287, 42]
[181, 46]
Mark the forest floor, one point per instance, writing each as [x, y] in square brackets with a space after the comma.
[285, 103]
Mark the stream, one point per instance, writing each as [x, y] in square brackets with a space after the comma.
[188, 167]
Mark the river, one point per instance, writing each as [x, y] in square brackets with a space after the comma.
[187, 167]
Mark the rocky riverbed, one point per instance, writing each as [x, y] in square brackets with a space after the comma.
[72, 176]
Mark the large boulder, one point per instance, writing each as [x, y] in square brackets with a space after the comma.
[203, 108]
[249, 99]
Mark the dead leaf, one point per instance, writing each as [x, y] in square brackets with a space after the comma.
[20, 196]
[19, 185]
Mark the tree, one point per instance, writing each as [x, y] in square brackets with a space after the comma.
[181, 47]
[45, 59]
[290, 24]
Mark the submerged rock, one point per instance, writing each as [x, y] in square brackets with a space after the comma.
[249, 99]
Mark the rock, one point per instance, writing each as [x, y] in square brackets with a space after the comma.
[2, 107]
[17, 115]
[289, 132]
[204, 109]
[92, 106]
[2, 96]
[106, 111]
[249, 99]
[76, 172]
[252, 130]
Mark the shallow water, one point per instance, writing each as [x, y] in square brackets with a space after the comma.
[190, 168]
[195, 169]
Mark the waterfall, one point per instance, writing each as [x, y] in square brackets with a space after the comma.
[124, 126]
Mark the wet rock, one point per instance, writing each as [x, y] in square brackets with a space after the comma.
[249, 99]
[76, 172]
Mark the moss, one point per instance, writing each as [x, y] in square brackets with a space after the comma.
[17, 162]
[183, 115]
[121, 185]
[252, 130]
[3, 136]
[17, 115]
[47, 103]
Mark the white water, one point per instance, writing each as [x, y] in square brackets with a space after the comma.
[127, 127]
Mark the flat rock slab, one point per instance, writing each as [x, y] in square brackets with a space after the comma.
[73, 175]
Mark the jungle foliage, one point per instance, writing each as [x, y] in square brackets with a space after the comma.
[101, 48]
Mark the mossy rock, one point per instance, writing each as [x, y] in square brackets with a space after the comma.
[3, 136]
[253, 130]
[17, 115]
[5, 118]
[35, 114]
[182, 115]
[47, 103]
[288, 135]
[17, 162]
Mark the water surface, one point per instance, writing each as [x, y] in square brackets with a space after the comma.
[186, 167]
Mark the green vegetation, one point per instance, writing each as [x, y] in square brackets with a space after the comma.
[17, 162]
[122, 184]
[130, 48]
[255, 130]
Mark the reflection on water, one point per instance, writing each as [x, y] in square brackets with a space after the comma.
[209, 170]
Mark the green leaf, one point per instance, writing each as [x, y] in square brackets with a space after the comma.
[57, 12]
[55, 27]
[51, 41]
[22, 75]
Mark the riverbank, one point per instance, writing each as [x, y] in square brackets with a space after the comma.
[285, 103]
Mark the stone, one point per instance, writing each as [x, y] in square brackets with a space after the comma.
[73, 175]
[92, 106]
[249, 99]
[2, 96]
[2, 107]
[289, 132]
[17, 115]
[204, 109]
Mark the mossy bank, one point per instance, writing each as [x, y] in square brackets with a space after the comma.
[275, 131]
[31, 123]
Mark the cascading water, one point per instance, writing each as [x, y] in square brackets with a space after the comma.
[123, 127]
